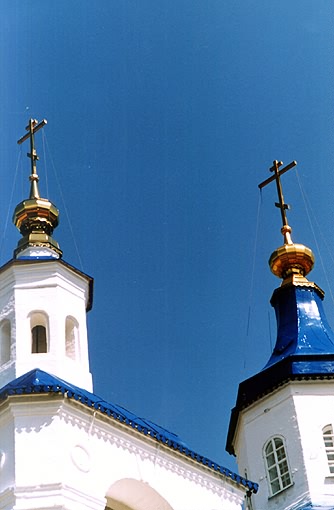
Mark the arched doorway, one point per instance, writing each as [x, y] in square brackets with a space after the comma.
[130, 494]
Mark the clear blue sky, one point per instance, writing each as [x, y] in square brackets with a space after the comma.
[163, 117]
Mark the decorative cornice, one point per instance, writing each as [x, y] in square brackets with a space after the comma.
[39, 382]
[13, 263]
[157, 455]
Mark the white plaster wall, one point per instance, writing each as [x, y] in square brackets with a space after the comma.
[7, 464]
[298, 412]
[7, 311]
[314, 403]
[273, 415]
[59, 292]
[65, 455]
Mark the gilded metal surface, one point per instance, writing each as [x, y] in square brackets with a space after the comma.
[31, 210]
[292, 262]
[35, 217]
[291, 259]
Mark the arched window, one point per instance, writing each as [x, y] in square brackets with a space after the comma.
[39, 332]
[71, 338]
[5, 341]
[327, 434]
[38, 335]
[277, 466]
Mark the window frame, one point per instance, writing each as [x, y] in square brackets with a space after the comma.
[277, 465]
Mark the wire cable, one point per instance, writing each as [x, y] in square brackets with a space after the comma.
[64, 205]
[2, 242]
[308, 208]
[45, 164]
[251, 289]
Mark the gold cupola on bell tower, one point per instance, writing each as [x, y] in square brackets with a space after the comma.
[35, 217]
[291, 261]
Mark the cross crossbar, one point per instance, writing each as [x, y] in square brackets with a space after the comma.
[277, 177]
[36, 127]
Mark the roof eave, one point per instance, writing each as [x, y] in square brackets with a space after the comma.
[38, 382]
[292, 368]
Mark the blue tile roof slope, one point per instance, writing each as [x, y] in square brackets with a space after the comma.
[37, 381]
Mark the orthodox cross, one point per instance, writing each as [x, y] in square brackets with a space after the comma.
[277, 177]
[32, 128]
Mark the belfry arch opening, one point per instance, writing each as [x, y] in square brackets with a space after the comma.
[5, 341]
[39, 326]
[71, 338]
[131, 494]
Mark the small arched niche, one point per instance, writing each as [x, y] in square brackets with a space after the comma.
[5, 341]
[71, 338]
[39, 327]
[131, 494]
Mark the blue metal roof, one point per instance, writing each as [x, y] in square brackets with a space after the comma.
[37, 381]
[302, 327]
[304, 348]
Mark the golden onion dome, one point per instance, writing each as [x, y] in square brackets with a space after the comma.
[36, 218]
[291, 258]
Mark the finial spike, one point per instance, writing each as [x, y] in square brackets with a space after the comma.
[34, 191]
[286, 232]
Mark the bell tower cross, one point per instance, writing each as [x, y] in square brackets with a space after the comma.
[32, 128]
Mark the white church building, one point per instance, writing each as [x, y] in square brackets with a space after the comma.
[62, 446]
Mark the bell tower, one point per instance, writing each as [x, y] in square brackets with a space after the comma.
[43, 300]
[281, 428]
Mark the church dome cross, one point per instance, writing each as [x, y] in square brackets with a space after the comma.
[292, 261]
[35, 217]
[32, 128]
